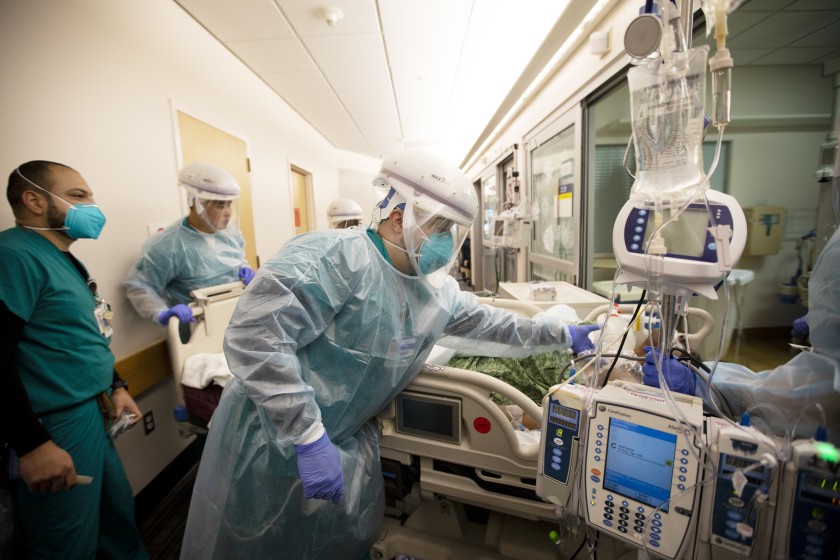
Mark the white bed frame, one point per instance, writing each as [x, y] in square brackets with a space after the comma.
[212, 309]
[434, 525]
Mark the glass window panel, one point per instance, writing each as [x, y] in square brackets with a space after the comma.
[552, 187]
[542, 273]
[491, 205]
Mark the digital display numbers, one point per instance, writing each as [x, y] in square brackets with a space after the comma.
[564, 416]
[738, 462]
[828, 485]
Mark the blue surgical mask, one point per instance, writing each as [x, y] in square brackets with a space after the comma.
[436, 252]
[82, 221]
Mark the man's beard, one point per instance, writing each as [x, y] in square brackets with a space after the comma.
[55, 219]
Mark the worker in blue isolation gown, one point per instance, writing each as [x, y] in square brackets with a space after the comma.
[344, 213]
[784, 397]
[332, 328]
[203, 249]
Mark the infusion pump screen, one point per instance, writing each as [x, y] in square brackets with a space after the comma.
[686, 236]
[640, 463]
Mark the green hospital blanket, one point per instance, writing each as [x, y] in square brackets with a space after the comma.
[533, 375]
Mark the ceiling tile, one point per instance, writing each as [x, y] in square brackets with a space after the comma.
[243, 19]
[272, 55]
[302, 83]
[368, 96]
[790, 55]
[432, 17]
[347, 51]
[828, 36]
[780, 29]
[742, 57]
[417, 49]
[326, 114]
[739, 21]
[833, 55]
[359, 17]
[764, 5]
[806, 5]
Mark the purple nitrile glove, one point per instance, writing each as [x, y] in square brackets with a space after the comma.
[319, 467]
[183, 312]
[246, 274]
[800, 328]
[580, 337]
[679, 376]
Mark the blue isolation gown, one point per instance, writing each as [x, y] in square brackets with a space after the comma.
[328, 332]
[809, 378]
[178, 260]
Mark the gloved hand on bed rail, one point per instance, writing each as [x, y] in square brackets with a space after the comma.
[183, 312]
[580, 337]
[679, 377]
[246, 274]
[319, 467]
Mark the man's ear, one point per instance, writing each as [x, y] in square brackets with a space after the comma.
[396, 219]
[34, 202]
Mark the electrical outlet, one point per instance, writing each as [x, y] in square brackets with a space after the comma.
[149, 422]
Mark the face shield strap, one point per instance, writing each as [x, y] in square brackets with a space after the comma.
[384, 205]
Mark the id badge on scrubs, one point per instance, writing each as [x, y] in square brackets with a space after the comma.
[104, 316]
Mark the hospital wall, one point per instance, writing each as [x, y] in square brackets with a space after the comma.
[780, 116]
[93, 85]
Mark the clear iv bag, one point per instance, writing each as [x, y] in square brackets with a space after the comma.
[667, 102]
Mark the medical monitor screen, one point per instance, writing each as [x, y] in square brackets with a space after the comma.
[685, 236]
[429, 416]
[640, 463]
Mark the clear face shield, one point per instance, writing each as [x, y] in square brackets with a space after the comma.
[433, 235]
[219, 215]
[342, 222]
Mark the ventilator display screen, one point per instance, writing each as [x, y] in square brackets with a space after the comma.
[429, 416]
[640, 463]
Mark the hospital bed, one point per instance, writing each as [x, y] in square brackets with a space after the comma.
[460, 479]
[449, 451]
[212, 309]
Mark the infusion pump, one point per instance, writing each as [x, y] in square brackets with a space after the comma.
[697, 488]
[511, 232]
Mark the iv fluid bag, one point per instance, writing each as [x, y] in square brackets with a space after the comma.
[667, 111]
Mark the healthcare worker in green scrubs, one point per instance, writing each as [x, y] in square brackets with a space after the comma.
[70, 492]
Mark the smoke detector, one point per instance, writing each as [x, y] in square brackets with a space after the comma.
[330, 14]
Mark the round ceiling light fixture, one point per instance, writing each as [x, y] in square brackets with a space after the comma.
[331, 14]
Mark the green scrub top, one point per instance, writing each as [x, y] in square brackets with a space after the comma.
[62, 358]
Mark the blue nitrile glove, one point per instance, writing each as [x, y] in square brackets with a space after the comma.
[183, 312]
[580, 337]
[800, 328]
[320, 469]
[246, 274]
[679, 376]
